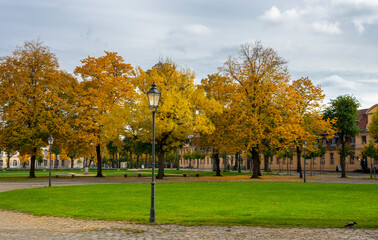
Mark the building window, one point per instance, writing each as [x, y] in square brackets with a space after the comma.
[284, 161]
[278, 161]
[324, 142]
[291, 160]
[14, 163]
[351, 159]
[45, 163]
[1, 163]
[376, 160]
[353, 140]
[271, 160]
[363, 139]
[333, 143]
[332, 159]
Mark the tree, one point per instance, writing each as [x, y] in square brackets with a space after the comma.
[106, 85]
[182, 107]
[344, 109]
[218, 88]
[307, 123]
[199, 155]
[188, 156]
[373, 125]
[259, 78]
[35, 100]
[372, 152]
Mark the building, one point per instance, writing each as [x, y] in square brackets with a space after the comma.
[329, 162]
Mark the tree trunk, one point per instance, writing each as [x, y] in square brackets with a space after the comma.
[131, 160]
[266, 163]
[299, 167]
[239, 158]
[72, 162]
[178, 160]
[225, 161]
[56, 161]
[161, 162]
[117, 160]
[287, 165]
[8, 162]
[86, 165]
[255, 162]
[32, 163]
[217, 164]
[342, 159]
[99, 161]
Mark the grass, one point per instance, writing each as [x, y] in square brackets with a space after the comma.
[10, 173]
[207, 203]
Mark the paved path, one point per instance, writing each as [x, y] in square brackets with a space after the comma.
[23, 226]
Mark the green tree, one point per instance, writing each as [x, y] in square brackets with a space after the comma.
[372, 152]
[344, 110]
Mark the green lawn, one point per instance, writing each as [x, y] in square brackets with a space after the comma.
[45, 173]
[208, 203]
[7, 173]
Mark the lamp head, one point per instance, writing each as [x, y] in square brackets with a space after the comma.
[50, 140]
[153, 96]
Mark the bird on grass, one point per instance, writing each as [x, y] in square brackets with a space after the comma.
[351, 224]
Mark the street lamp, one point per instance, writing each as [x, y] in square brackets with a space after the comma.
[304, 162]
[50, 140]
[153, 96]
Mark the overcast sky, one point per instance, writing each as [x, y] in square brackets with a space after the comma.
[334, 42]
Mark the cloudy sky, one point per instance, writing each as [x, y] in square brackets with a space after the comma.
[334, 42]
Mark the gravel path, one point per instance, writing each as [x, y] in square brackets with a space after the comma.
[23, 226]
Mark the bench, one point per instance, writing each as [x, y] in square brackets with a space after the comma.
[187, 174]
[125, 175]
[61, 175]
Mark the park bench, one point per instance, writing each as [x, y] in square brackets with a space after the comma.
[187, 174]
[125, 175]
[67, 174]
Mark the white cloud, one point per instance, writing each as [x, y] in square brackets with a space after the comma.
[197, 29]
[274, 14]
[337, 81]
[357, 2]
[326, 27]
[360, 22]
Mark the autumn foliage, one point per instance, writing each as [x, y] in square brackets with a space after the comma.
[250, 106]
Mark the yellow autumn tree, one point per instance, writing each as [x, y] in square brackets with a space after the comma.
[182, 109]
[307, 123]
[219, 88]
[259, 78]
[106, 84]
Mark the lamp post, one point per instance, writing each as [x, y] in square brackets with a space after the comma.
[50, 140]
[153, 96]
[304, 161]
